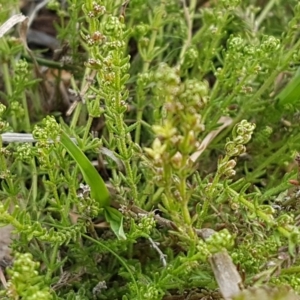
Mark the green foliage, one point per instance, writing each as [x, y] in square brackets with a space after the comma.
[267, 293]
[25, 280]
[190, 115]
[98, 189]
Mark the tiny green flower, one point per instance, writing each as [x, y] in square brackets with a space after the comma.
[165, 131]
[220, 240]
[157, 150]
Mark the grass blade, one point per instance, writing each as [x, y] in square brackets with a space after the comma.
[98, 188]
[291, 93]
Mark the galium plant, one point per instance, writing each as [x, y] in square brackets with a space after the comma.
[198, 137]
[30, 286]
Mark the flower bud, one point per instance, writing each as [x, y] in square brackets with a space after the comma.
[176, 160]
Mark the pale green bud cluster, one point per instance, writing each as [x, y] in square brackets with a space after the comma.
[48, 130]
[25, 281]
[242, 133]
[220, 240]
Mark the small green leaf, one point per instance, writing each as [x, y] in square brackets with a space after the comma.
[131, 127]
[115, 219]
[98, 188]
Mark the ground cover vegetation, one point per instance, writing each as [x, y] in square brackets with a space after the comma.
[161, 160]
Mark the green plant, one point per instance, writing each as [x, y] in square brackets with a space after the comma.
[186, 111]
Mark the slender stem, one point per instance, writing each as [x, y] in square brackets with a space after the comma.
[267, 8]
[189, 18]
[50, 63]
[185, 204]
[87, 127]
[79, 106]
[291, 270]
[210, 195]
[139, 116]
[53, 259]
[155, 198]
[265, 217]
[123, 138]
[140, 94]
[119, 259]
[26, 113]
[34, 183]
[212, 48]
[265, 163]
[7, 77]
[275, 73]
[76, 115]
[8, 88]
[37, 105]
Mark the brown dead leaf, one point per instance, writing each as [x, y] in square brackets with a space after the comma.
[11, 22]
[267, 293]
[225, 121]
[226, 274]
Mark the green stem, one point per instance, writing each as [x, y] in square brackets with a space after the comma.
[26, 113]
[185, 201]
[34, 183]
[50, 63]
[234, 93]
[269, 220]
[214, 44]
[119, 259]
[8, 88]
[267, 8]
[155, 198]
[275, 73]
[292, 270]
[37, 105]
[284, 232]
[122, 138]
[210, 196]
[139, 116]
[189, 18]
[265, 163]
[140, 98]
[8, 179]
[52, 263]
[79, 106]
[87, 128]
[186, 214]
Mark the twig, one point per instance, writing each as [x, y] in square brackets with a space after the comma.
[161, 255]
[2, 278]
[36, 10]
[82, 93]
[10, 23]
[225, 122]
[11, 137]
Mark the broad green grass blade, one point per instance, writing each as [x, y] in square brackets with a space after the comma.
[98, 189]
[291, 93]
